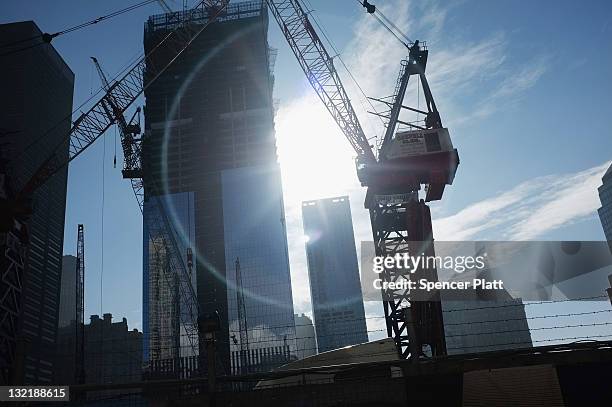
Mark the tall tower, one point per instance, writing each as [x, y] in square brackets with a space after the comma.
[335, 289]
[209, 150]
[35, 113]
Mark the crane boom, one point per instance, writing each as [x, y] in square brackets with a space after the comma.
[319, 68]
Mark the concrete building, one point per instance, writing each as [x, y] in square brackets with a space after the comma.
[35, 116]
[305, 338]
[605, 212]
[335, 289]
[209, 133]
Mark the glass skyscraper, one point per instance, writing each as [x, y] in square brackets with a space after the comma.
[163, 330]
[335, 289]
[255, 235]
[209, 131]
[605, 212]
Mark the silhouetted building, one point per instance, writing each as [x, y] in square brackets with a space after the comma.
[209, 139]
[605, 212]
[35, 116]
[66, 324]
[113, 354]
[335, 289]
[67, 308]
[305, 340]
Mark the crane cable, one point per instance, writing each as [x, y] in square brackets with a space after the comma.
[371, 9]
[331, 44]
[46, 38]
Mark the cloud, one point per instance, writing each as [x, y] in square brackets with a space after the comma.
[510, 89]
[470, 77]
[529, 210]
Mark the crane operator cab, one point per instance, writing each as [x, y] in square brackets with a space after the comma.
[410, 159]
[420, 157]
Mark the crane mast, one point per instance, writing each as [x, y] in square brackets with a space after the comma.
[80, 308]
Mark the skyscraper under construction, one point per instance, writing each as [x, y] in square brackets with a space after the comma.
[209, 150]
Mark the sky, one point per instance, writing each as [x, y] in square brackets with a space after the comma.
[522, 86]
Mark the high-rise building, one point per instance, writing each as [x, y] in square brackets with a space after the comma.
[605, 212]
[35, 116]
[305, 339]
[484, 320]
[473, 325]
[65, 347]
[209, 138]
[67, 307]
[335, 289]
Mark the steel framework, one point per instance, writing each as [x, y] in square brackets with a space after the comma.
[320, 71]
[401, 224]
[12, 264]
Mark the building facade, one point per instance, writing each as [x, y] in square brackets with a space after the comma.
[305, 338]
[474, 326]
[335, 288]
[605, 212]
[163, 324]
[484, 320]
[67, 307]
[35, 116]
[66, 346]
[209, 131]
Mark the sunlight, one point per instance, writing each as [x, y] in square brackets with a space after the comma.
[316, 160]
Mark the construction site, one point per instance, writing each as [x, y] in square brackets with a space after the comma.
[223, 248]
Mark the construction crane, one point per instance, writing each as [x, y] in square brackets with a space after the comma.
[129, 135]
[401, 222]
[86, 129]
[80, 308]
